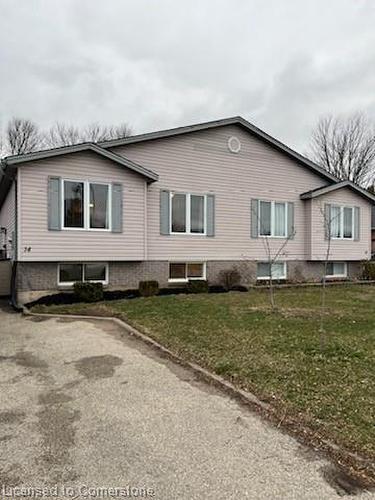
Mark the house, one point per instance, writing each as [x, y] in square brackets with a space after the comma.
[373, 233]
[176, 205]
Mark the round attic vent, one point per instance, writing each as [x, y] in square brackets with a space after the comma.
[234, 144]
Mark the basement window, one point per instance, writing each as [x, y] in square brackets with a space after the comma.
[278, 271]
[337, 270]
[184, 271]
[94, 272]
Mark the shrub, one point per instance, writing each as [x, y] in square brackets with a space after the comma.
[148, 288]
[197, 286]
[229, 278]
[239, 288]
[217, 289]
[368, 270]
[88, 292]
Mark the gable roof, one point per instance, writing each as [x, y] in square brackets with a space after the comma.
[314, 193]
[86, 146]
[235, 120]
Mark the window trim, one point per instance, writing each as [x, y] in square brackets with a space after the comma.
[86, 206]
[345, 275]
[83, 264]
[272, 235]
[342, 237]
[264, 278]
[186, 279]
[188, 214]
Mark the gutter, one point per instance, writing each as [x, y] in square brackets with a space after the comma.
[13, 279]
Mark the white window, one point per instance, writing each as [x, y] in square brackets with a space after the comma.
[278, 271]
[184, 271]
[187, 213]
[342, 222]
[96, 272]
[336, 270]
[86, 205]
[273, 219]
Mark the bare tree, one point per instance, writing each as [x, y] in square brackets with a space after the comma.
[328, 221]
[2, 145]
[61, 134]
[273, 258]
[272, 254]
[95, 132]
[22, 136]
[345, 147]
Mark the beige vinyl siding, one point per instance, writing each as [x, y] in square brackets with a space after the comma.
[201, 163]
[8, 220]
[340, 249]
[71, 245]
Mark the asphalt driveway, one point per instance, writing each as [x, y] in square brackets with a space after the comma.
[83, 405]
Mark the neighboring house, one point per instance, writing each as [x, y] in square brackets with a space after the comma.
[373, 233]
[175, 205]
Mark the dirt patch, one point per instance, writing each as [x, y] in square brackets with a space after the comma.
[341, 482]
[7, 437]
[28, 360]
[57, 430]
[308, 454]
[95, 367]
[53, 397]
[71, 385]
[11, 417]
[293, 312]
[8, 478]
[37, 319]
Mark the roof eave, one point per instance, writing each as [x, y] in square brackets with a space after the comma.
[14, 161]
[334, 187]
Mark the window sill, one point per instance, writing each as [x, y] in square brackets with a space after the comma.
[186, 280]
[273, 279]
[336, 277]
[65, 286]
[273, 237]
[342, 239]
[187, 234]
[86, 229]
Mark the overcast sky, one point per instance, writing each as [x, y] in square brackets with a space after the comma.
[163, 63]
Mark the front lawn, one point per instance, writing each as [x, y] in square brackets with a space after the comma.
[278, 356]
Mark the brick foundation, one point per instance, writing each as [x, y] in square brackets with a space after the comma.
[35, 279]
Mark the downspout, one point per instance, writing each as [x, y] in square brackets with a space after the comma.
[13, 279]
[145, 229]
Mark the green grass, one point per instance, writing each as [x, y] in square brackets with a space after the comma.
[276, 355]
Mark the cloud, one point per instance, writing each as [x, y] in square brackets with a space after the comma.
[167, 63]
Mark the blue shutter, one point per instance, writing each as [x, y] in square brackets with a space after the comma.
[164, 211]
[210, 215]
[327, 221]
[117, 208]
[254, 218]
[54, 204]
[291, 228]
[357, 224]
